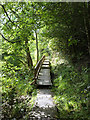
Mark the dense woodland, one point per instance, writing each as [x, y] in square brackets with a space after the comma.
[61, 31]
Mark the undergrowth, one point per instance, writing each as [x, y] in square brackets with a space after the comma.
[71, 89]
[17, 93]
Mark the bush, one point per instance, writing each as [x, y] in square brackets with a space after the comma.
[71, 92]
[16, 92]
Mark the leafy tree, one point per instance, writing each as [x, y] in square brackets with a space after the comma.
[66, 24]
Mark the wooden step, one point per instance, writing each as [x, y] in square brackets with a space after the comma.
[46, 60]
[45, 65]
[40, 82]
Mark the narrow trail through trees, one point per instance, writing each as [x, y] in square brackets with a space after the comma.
[44, 107]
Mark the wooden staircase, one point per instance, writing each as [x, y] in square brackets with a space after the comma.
[44, 74]
[44, 107]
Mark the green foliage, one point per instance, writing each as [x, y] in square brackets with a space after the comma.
[66, 28]
[18, 109]
[15, 84]
[19, 21]
[71, 92]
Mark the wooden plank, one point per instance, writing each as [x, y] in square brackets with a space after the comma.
[45, 66]
[46, 60]
[44, 77]
[44, 83]
[46, 63]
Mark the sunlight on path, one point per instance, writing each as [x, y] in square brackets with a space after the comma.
[44, 98]
[44, 107]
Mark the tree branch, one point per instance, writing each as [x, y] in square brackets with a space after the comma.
[7, 14]
[22, 62]
[6, 39]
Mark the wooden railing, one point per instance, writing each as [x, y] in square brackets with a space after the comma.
[38, 68]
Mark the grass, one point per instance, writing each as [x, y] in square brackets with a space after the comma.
[71, 92]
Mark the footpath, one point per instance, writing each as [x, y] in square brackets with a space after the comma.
[44, 107]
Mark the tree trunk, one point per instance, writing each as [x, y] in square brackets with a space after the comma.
[29, 59]
[37, 47]
[87, 23]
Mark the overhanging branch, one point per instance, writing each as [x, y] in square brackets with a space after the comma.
[6, 38]
[7, 14]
